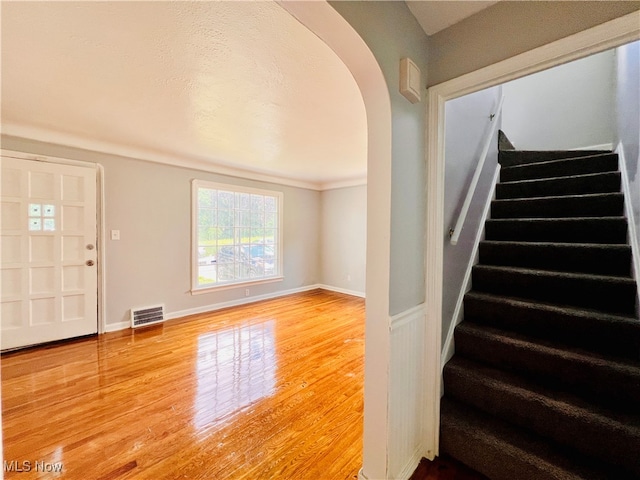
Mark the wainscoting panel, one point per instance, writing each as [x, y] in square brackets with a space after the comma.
[406, 392]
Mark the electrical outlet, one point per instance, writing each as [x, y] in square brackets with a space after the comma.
[246, 292]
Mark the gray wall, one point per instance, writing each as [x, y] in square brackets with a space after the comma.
[392, 32]
[343, 238]
[569, 106]
[151, 206]
[467, 126]
[509, 28]
[628, 119]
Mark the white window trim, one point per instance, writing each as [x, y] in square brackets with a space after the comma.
[195, 185]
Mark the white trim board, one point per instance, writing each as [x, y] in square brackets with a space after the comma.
[628, 213]
[602, 37]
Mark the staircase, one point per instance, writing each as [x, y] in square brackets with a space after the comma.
[545, 381]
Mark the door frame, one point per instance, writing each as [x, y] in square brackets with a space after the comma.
[614, 33]
[100, 225]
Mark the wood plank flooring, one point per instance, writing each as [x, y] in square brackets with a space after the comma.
[264, 391]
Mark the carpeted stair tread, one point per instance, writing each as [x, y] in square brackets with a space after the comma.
[603, 162]
[588, 205]
[602, 259]
[566, 185]
[601, 292]
[564, 230]
[564, 419]
[510, 158]
[601, 379]
[503, 452]
[545, 381]
[610, 334]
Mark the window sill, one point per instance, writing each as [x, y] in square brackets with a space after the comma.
[229, 286]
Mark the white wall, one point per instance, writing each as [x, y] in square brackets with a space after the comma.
[628, 122]
[151, 206]
[569, 106]
[391, 32]
[343, 238]
[467, 126]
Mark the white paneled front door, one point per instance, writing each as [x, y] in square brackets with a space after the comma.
[49, 255]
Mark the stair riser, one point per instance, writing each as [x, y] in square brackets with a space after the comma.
[602, 183]
[606, 383]
[561, 168]
[614, 296]
[610, 231]
[609, 441]
[604, 206]
[516, 157]
[615, 260]
[484, 456]
[499, 452]
[619, 339]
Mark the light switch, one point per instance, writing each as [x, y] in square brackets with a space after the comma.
[115, 234]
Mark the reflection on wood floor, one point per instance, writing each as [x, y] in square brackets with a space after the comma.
[263, 391]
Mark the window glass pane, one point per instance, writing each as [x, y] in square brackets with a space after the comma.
[225, 218]
[35, 224]
[270, 204]
[245, 235]
[35, 209]
[270, 235]
[270, 220]
[225, 199]
[207, 198]
[257, 202]
[244, 201]
[206, 217]
[49, 211]
[257, 219]
[49, 224]
[232, 243]
[244, 218]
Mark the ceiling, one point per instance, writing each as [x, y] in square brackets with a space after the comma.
[436, 15]
[234, 87]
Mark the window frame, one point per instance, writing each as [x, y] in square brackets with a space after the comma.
[196, 185]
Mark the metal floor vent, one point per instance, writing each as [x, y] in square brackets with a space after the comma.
[141, 317]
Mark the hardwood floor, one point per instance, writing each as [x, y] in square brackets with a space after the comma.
[264, 391]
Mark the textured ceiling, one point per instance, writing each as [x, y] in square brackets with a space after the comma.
[213, 84]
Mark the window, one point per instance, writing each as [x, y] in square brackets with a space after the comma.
[236, 235]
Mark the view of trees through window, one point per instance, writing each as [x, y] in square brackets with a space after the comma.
[237, 234]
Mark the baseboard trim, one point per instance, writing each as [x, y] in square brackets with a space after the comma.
[353, 293]
[114, 327]
[238, 302]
